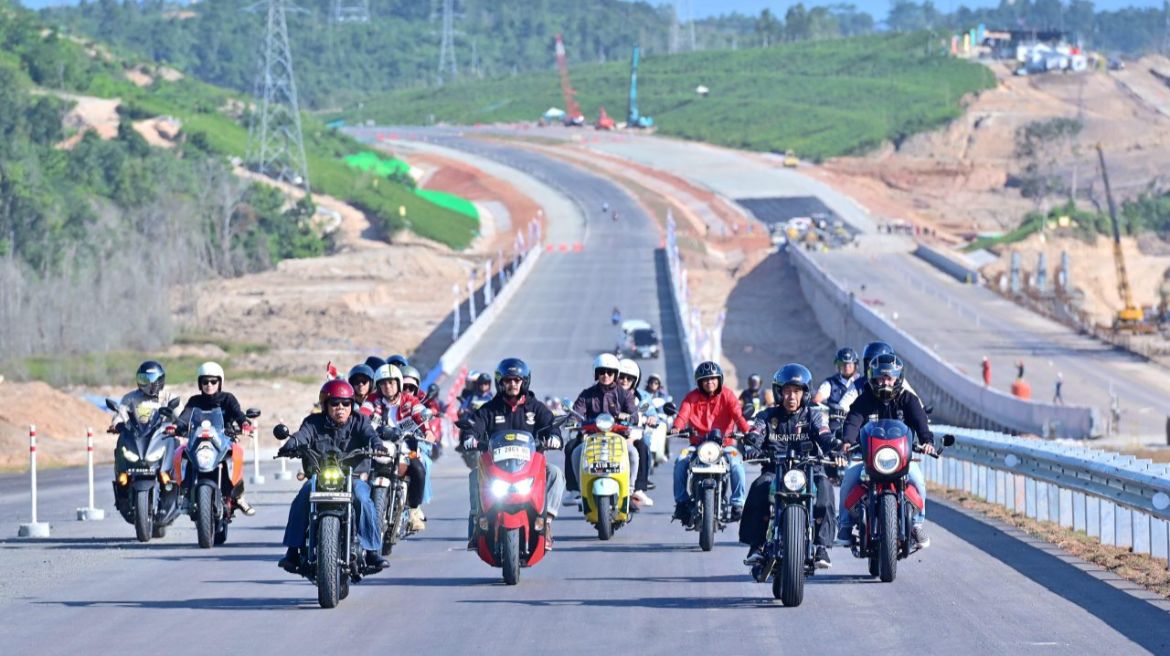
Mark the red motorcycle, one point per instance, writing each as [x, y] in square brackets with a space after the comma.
[510, 525]
[884, 502]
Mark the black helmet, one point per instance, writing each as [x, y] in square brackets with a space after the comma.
[373, 362]
[792, 374]
[151, 378]
[483, 378]
[886, 364]
[360, 370]
[872, 350]
[397, 360]
[709, 369]
[754, 381]
[513, 367]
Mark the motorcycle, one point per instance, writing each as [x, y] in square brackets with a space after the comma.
[656, 435]
[708, 489]
[883, 501]
[789, 545]
[605, 475]
[208, 469]
[391, 478]
[510, 526]
[145, 493]
[334, 557]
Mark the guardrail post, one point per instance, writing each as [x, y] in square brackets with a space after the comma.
[33, 529]
[1141, 532]
[1064, 508]
[1123, 520]
[257, 477]
[89, 513]
[1107, 530]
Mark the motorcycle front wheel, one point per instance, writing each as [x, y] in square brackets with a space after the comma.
[707, 530]
[204, 521]
[143, 516]
[510, 555]
[788, 584]
[888, 539]
[328, 565]
[604, 517]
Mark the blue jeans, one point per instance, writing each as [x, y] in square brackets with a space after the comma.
[738, 475]
[369, 532]
[852, 477]
[424, 454]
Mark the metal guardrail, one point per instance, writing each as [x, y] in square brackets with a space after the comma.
[678, 292]
[1122, 500]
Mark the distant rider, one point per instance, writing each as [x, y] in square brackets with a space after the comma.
[753, 396]
[834, 388]
[209, 378]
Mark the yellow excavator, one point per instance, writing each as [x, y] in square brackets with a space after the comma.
[1130, 318]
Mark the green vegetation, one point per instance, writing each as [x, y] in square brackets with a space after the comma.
[1149, 212]
[118, 367]
[821, 98]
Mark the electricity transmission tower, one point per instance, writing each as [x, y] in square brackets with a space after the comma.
[351, 11]
[276, 146]
[447, 43]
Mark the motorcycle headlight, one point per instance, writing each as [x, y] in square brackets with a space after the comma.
[129, 455]
[499, 489]
[604, 422]
[157, 453]
[794, 480]
[523, 487]
[886, 460]
[709, 453]
[205, 457]
[331, 478]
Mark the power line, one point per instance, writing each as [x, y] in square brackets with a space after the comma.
[276, 145]
[447, 63]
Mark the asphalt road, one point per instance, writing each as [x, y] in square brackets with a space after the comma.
[650, 590]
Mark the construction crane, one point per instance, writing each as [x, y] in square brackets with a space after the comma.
[1130, 317]
[633, 118]
[604, 120]
[573, 115]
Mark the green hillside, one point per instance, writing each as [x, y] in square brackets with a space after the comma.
[820, 98]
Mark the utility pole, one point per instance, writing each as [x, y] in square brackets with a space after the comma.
[351, 11]
[672, 47]
[691, 18]
[447, 43]
[276, 146]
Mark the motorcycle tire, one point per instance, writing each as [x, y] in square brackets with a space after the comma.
[510, 556]
[143, 517]
[344, 588]
[204, 521]
[788, 584]
[381, 496]
[604, 517]
[707, 529]
[888, 537]
[159, 531]
[328, 566]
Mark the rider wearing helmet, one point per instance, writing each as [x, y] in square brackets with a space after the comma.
[373, 362]
[515, 406]
[151, 394]
[710, 406]
[872, 350]
[481, 393]
[209, 379]
[789, 423]
[428, 450]
[361, 379]
[337, 426]
[389, 405]
[885, 397]
[603, 396]
[654, 388]
[753, 396]
[629, 373]
[399, 361]
[833, 389]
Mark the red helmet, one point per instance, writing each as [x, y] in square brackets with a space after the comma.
[335, 389]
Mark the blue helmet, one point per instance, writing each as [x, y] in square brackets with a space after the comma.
[792, 374]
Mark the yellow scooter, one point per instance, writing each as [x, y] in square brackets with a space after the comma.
[604, 475]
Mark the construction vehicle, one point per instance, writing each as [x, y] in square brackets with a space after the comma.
[633, 118]
[604, 121]
[1130, 318]
[573, 115]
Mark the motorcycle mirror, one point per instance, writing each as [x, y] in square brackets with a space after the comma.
[835, 445]
[252, 413]
[948, 440]
[280, 432]
[174, 403]
[670, 408]
[167, 411]
[111, 405]
[432, 392]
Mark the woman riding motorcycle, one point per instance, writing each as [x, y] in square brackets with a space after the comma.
[387, 406]
[604, 396]
[628, 374]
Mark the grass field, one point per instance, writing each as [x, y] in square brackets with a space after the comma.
[821, 99]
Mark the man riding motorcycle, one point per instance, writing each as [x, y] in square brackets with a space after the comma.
[336, 426]
[151, 394]
[885, 397]
[753, 396]
[833, 389]
[209, 379]
[516, 407]
[604, 396]
[872, 351]
[387, 406]
[628, 374]
[411, 379]
[710, 406]
[792, 421]
[481, 393]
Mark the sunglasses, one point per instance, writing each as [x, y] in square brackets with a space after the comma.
[625, 377]
[208, 381]
[340, 403]
[410, 388]
[606, 372]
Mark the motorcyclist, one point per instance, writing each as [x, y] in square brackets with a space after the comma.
[605, 207]
[339, 427]
[468, 388]
[709, 406]
[885, 397]
[516, 407]
[833, 389]
[481, 394]
[872, 350]
[397, 360]
[616, 316]
[209, 379]
[753, 396]
[654, 387]
[792, 421]
[628, 375]
[390, 405]
[373, 362]
[411, 380]
[151, 380]
[603, 396]
[361, 379]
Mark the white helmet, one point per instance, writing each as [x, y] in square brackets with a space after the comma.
[388, 371]
[631, 368]
[209, 369]
[605, 361]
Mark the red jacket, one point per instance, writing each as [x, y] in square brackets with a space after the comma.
[704, 413]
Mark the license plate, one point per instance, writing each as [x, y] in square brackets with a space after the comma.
[329, 497]
[140, 471]
[514, 452]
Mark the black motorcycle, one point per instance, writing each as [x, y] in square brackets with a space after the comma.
[708, 489]
[789, 546]
[391, 478]
[334, 557]
[145, 492]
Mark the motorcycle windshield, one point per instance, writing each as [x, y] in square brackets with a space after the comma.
[883, 429]
[512, 449]
[144, 422]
